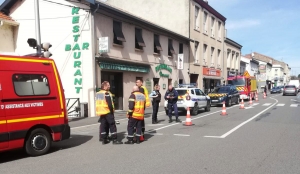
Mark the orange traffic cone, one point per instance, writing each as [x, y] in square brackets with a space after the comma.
[256, 96]
[242, 104]
[250, 102]
[188, 121]
[265, 95]
[224, 110]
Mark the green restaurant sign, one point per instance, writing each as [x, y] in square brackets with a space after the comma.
[76, 49]
[122, 67]
[163, 67]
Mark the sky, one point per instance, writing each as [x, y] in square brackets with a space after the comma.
[269, 27]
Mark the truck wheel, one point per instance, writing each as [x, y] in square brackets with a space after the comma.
[38, 142]
[207, 109]
[195, 109]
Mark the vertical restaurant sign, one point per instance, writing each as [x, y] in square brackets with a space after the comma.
[76, 49]
[180, 61]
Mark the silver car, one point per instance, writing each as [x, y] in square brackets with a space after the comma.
[290, 90]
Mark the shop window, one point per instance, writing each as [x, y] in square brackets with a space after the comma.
[171, 50]
[157, 46]
[180, 81]
[31, 84]
[118, 34]
[181, 48]
[139, 41]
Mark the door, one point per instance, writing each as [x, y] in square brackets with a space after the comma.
[3, 126]
[116, 87]
[200, 97]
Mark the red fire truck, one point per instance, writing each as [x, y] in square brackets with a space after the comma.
[32, 104]
[245, 84]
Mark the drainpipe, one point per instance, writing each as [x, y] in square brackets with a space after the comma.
[94, 41]
[189, 59]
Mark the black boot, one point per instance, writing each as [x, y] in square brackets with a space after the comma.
[129, 141]
[178, 121]
[115, 141]
[137, 140]
[104, 141]
[170, 120]
[154, 122]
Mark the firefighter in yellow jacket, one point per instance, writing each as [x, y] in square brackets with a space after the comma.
[143, 89]
[105, 109]
[136, 115]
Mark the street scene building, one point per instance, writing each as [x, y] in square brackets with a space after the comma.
[149, 86]
[137, 49]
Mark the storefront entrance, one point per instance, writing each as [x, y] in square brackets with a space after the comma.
[116, 86]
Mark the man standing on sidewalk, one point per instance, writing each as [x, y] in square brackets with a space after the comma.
[135, 114]
[172, 96]
[105, 109]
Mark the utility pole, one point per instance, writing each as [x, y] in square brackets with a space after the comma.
[37, 26]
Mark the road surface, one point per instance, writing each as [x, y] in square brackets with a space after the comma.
[263, 138]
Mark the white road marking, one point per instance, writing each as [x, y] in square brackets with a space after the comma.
[250, 107]
[267, 104]
[293, 100]
[280, 104]
[195, 118]
[245, 122]
[254, 104]
[182, 135]
[154, 124]
[148, 133]
[294, 105]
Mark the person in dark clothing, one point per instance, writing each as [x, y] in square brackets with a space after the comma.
[172, 96]
[105, 109]
[155, 102]
[265, 90]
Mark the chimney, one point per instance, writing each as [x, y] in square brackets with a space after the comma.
[205, 1]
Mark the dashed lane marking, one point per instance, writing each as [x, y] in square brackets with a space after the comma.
[294, 105]
[154, 125]
[182, 135]
[267, 104]
[280, 104]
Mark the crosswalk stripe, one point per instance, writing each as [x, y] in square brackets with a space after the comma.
[294, 105]
[267, 104]
[281, 104]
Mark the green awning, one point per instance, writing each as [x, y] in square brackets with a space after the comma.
[124, 67]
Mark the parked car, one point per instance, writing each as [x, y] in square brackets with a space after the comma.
[228, 94]
[290, 90]
[198, 99]
[275, 90]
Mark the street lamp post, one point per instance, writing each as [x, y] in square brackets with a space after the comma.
[37, 26]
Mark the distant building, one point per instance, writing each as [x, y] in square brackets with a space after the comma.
[8, 33]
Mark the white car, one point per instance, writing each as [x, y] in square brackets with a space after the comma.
[198, 100]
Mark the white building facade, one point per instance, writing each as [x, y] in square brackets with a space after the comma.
[135, 49]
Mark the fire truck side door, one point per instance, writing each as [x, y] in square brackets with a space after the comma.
[3, 126]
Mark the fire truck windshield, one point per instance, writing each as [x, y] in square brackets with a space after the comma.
[237, 82]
